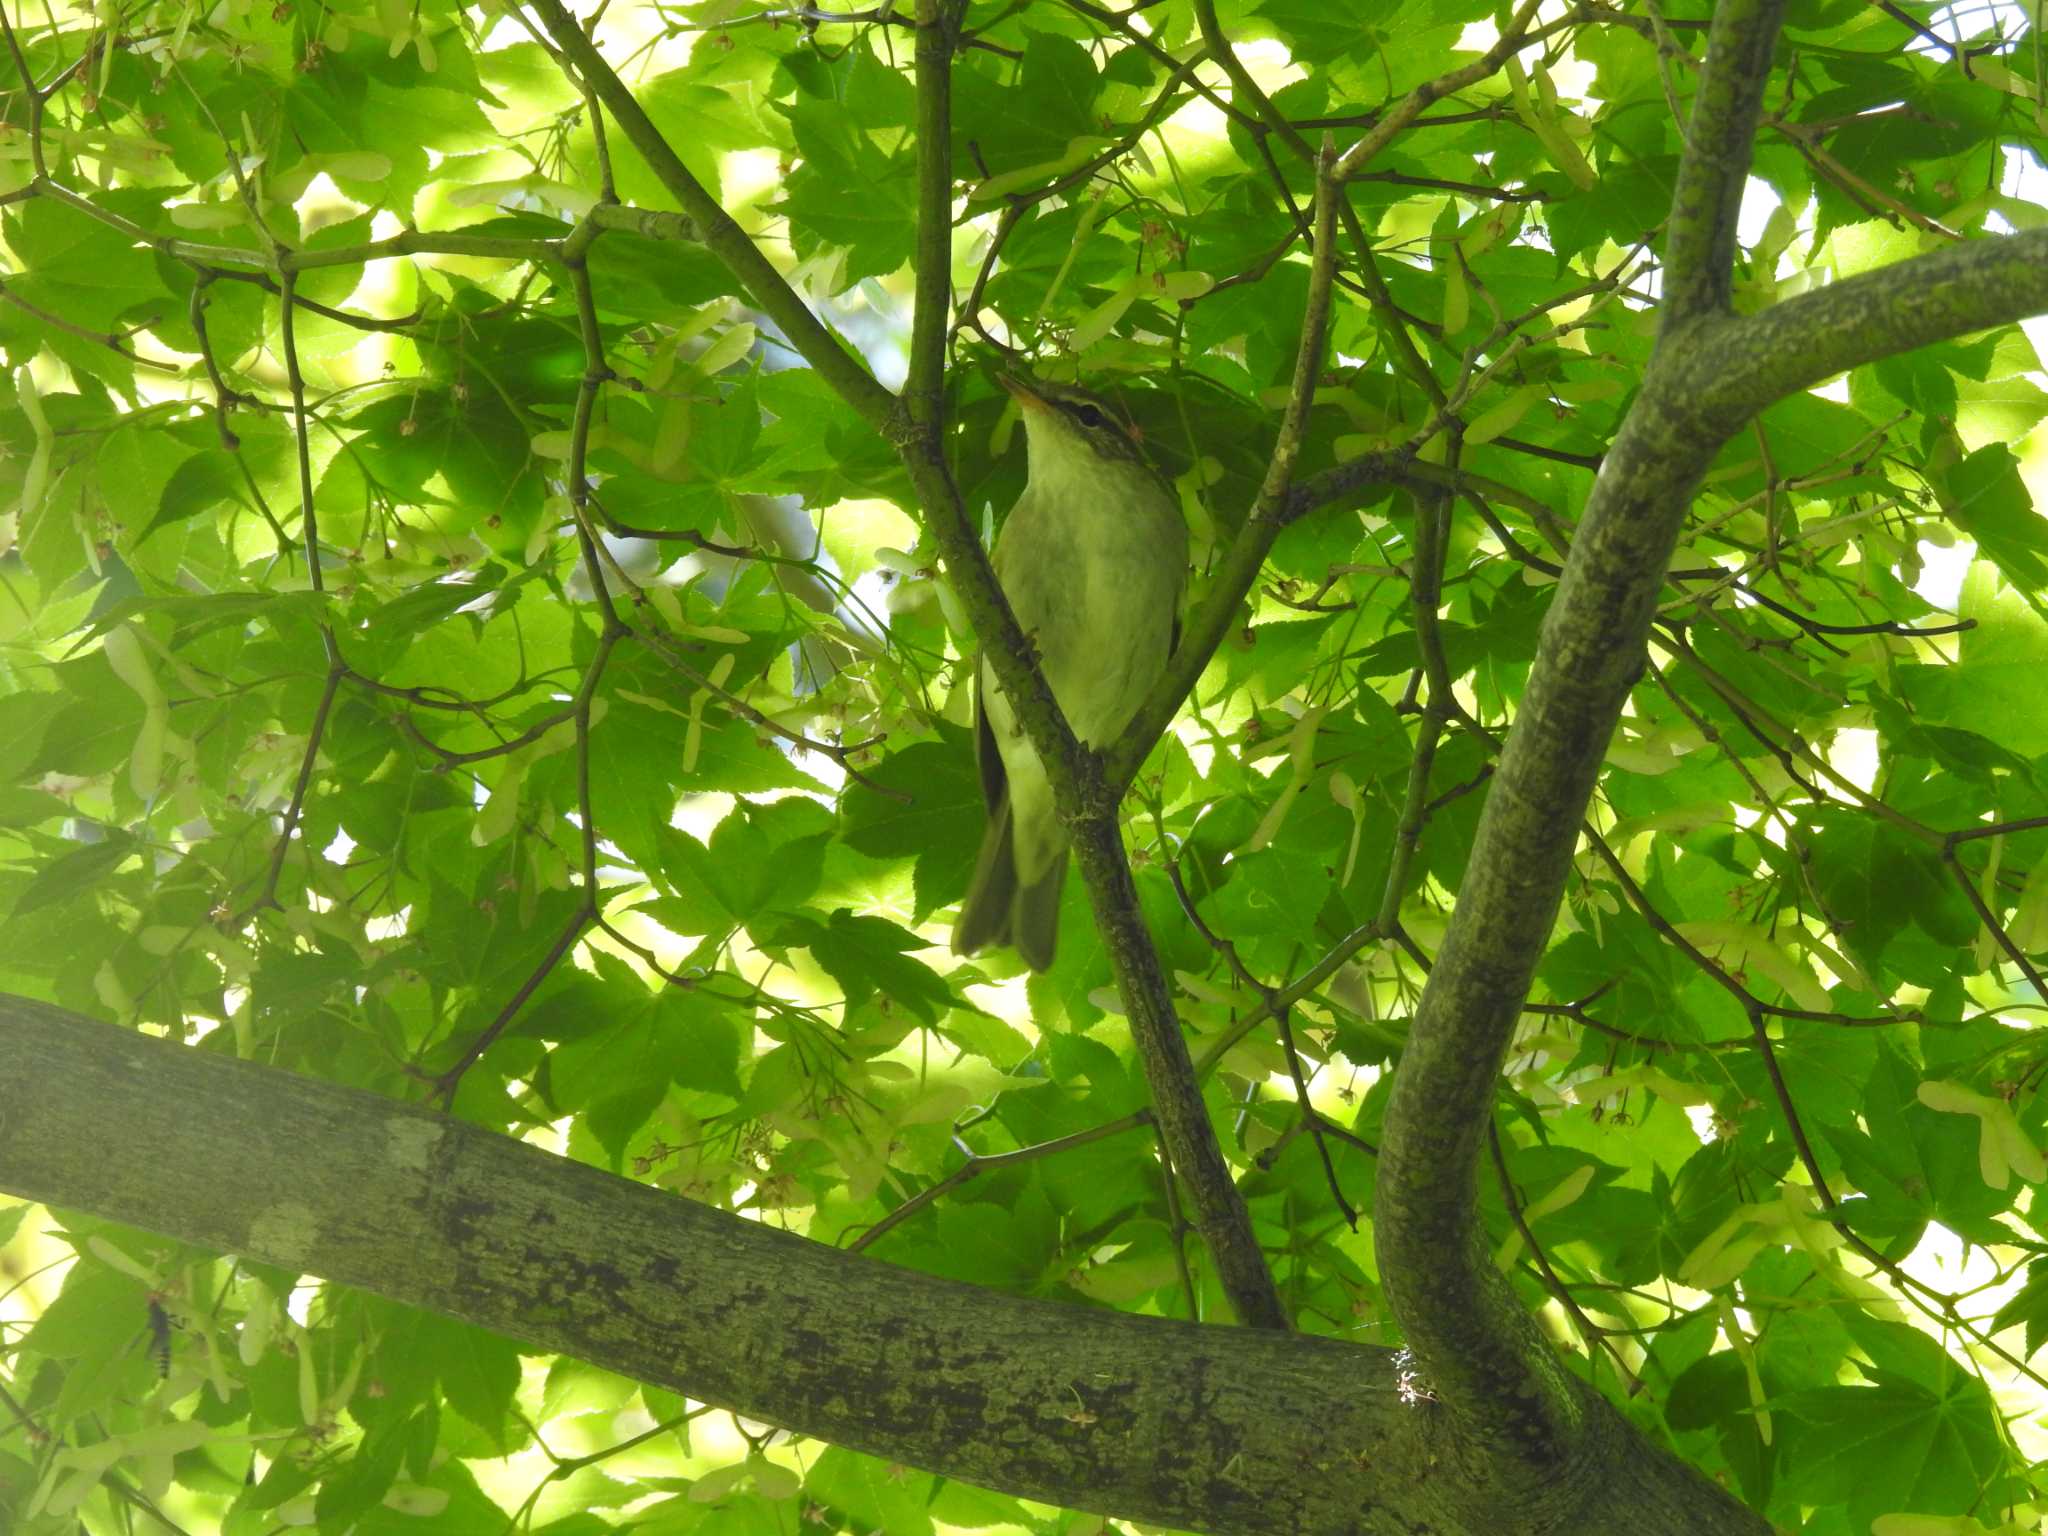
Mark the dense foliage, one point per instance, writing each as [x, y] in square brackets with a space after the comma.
[337, 734]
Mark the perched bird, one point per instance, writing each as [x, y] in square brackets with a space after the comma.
[1092, 558]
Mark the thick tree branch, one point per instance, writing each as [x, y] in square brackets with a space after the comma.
[1038, 1399]
[1709, 376]
[1223, 1429]
[1748, 361]
[1700, 249]
[1483, 1350]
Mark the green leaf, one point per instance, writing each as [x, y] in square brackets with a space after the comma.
[478, 1371]
[1896, 1444]
[2028, 1305]
[1314, 33]
[1873, 879]
[838, 152]
[872, 1493]
[924, 803]
[82, 1319]
[1272, 891]
[865, 955]
[1914, 1163]
[1008, 120]
[363, 1479]
[76, 266]
[73, 873]
[619, 1073]
[1985, 497]
[1993, 689]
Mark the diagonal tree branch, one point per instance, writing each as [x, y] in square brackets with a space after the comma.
[913, 426]
[1270, 512]
[721, 234]
[1087, 800]
[1030, 1397]
[1712, 371]
[1934, 297]
[1483, 1351]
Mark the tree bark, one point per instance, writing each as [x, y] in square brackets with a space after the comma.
[1230, 1430]
[1711, 372]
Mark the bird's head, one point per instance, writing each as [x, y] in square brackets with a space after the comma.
[1070, 431]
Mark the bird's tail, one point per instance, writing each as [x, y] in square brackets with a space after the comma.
[1035, 916]
[985, 912]
[997, 910]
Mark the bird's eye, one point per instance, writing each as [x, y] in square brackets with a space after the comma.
[1090, 416]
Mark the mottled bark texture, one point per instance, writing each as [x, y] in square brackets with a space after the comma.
[1208, 1428]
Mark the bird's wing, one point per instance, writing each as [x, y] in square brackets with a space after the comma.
[988, 756]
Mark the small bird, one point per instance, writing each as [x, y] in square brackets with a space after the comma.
[1093, 558]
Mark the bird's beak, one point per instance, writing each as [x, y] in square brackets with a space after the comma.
[1021, 391]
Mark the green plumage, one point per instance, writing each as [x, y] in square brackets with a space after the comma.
[1092, 558]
